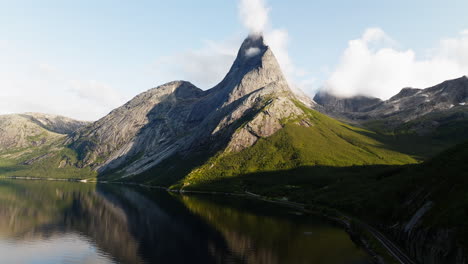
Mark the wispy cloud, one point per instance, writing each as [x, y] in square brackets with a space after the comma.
[206, 66]
[46, 88]
[254, 14]
[96, 92]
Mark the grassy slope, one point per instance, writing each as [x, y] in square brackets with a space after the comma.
[443, 178]
[12, 163]
[425, 136]
[327, 142]
[377, 194]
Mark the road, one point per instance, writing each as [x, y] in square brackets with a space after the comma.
[391, 247]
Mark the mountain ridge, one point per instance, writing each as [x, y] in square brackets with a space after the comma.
[252, 132]
[407, 105]
[18, 131]
[193, 121]
[180, 122]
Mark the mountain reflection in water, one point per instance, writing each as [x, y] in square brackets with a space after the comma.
[61, 222]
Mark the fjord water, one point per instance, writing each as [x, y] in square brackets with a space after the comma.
[64, 222]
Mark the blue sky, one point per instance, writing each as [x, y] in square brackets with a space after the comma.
[83, 58]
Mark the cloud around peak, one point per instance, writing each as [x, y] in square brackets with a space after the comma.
[254, 15]
[207, 65]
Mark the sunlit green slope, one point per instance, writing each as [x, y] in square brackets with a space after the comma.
[323, 142]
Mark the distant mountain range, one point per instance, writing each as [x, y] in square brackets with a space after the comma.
[251, 123]
[409, 104]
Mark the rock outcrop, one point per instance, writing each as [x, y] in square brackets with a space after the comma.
[18, 131]
[55, 123]
[179, 118]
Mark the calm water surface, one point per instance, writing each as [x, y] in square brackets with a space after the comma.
[58, 222]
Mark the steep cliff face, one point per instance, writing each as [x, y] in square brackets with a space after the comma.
[150, 121]
[179, 118]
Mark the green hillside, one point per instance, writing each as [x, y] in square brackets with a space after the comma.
[381, 195]
[326, 142]
[52, 160]
[426, 136]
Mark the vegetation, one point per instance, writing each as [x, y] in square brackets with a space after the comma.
[378, 194]
[327, 142]
[47, 161]
[248, 222]
[425, 136]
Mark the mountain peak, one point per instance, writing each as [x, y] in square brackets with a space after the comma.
[179, 118]
[254, 68]
[253, 45]
[251, 53]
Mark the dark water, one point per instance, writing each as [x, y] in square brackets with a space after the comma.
[58, 222]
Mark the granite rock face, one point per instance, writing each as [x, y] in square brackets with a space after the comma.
[55, 123]
[19, 131]
[178, 118]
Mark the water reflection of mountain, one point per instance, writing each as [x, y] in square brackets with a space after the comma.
[258, 233]
[133, 225]
[165, 230]
[119, 221]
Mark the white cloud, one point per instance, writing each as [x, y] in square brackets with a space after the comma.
[372, 35]
[45, 88]
[371, 66]
[252, 51]
[204, 67]
[254, 15]
[96, 92]
[278, 40]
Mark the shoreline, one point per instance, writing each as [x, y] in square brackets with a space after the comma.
[346, 222]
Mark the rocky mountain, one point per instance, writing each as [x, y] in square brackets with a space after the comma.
[55, 123]
[252, 131]
[409, 104]
[333, 103]
[178, 117]
[250, 121]
[179, 125]
[32, 129]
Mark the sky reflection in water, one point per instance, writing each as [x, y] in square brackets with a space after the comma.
[59, 222]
